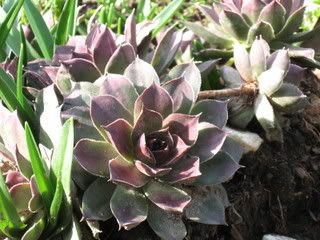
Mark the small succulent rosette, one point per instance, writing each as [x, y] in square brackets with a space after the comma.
[160, 148]
[230, 21]
[273, 77]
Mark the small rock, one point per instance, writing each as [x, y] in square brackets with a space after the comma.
[276, 237]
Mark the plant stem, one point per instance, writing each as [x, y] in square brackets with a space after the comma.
[231, 92]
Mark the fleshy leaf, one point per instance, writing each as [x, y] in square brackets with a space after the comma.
[212, 111]
[141, 79]
[150, 171]
[96, 200]
[36, 229]
[273, 13]
[94, 156]
[101, 43]
[264, 112]
[257, 58]
[207, 208]
[119, 134]
[217, 170]
[129, 207]
[182, 94]
[242, 62]
[154, 98]
[186, 169]
[130, 30]
[231, 77]
[122, 171]
[121, 59]
[183, 125]
[82, 70]
[252, 8]
[13, 178]
[289, 97]
[270, 81]
[166, 50]
[281, 60]
[21, 194]
[147, 122]
[167, 225]
[192, 75]
[209, 142]
[166, 197]
[121, 88]
[106, 109]
[261, 29]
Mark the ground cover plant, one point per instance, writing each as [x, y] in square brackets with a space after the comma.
[159, 120]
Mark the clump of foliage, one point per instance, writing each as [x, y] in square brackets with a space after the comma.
[160, 149]
[271, 80]
[35, 195]
[278, 22]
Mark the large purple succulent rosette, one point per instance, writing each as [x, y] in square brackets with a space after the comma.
[158, 141]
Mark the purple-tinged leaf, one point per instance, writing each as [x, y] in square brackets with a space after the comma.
[183, 125]
[106, 109]
[281, 60]
[209, 12]
[82, 70]
[63, 53]
[292, 24]
[166, 50]
[34, 186]
[231, 77]
[166, 197]
[262, 30]
[242, 62]
[287, 4]
[130, 30]
[121, 59]
[182, 94]
[273, 13]
[234, 24]
[129, 207]
[270, 81]
[14, 178]
[252, 9]
[24, 165]
[96, 200]
[102, 44]
[86, 56]
[217, 170]
[233, 148]
[258, 58]
[119, 133]
[295, 74]
[167, 225]
[121, 88]
[147, 122]
[6, 155]
[21, 194]
[35, 204]
[289, 97]
[212, 111]
[187, 169]
[143, 31]
[143, 153]
[193, 76]
[122, 171]
[94, 156]
[141, 79]
[79, 43]
[154, 98]
[206, 207]
[151, 171]
[209, 142]
[179, 150]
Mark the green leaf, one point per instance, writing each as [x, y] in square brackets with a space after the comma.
[165, 15]
[38, 166]
[7, 24]
[56, 204]
[63, 156]
[40, 29]
[20, 75]
[67, 22]
[9, 215]
[36, 229]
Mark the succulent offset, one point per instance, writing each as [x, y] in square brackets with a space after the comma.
[241, 21]
[273, 77]
[160, 147]
[24, 214]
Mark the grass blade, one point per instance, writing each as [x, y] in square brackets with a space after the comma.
[40, 29]
[38, 166]
[67, 22]
[9, 215]
[165, 15]
[8, 22]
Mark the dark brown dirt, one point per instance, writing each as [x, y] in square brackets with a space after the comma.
[277, 191]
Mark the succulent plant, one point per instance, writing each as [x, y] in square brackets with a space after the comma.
[159, 149]
[237, 21]
[272, 79]
[34, 201]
